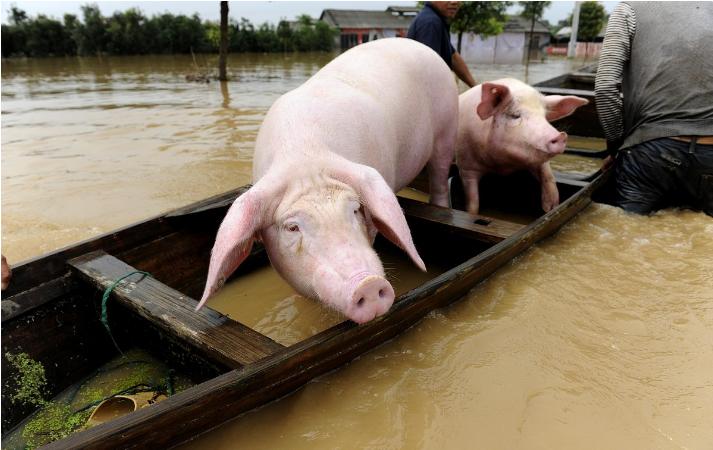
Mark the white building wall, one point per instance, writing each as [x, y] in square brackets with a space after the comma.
[506, 48]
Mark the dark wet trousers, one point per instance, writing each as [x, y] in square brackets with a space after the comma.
[665, 173]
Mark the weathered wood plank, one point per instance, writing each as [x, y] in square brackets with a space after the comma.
[38, 295]
[219, 337]
[483, 228]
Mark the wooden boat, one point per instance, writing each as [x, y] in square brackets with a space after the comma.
[51, 311]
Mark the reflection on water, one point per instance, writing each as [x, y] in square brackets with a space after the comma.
[598, 338]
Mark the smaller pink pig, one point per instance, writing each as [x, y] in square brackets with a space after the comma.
[503, 126]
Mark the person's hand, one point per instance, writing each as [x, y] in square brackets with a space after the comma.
[6, 273]
[608, 163]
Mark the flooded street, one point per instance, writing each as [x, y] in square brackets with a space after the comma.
[600, 337]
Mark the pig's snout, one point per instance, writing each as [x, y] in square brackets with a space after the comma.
[557, 144]
[372, 297]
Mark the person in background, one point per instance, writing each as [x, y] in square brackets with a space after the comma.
[430, 27]
[654, 96]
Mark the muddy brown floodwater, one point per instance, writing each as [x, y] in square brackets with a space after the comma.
[600, 337]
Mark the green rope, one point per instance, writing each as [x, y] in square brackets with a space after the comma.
[105, 298]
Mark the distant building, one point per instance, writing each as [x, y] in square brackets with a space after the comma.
[357, 26]
[509, 47]
[560, 42]
[563, 35]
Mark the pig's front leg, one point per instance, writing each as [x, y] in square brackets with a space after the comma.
[550, 194]
[470, 179]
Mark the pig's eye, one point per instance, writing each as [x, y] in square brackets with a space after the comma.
[292, 227]
[513, 115]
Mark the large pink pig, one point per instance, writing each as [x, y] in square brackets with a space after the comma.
[328, 158]
[503, 127]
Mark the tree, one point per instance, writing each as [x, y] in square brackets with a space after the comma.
[126, 33]
[93, 32]
[17, 16]
[591, 20]
[324, 36]
[222, 60]
[14, 36]
[534, 12]
[284, 33]
[131, 33]
[305, 37]
[482, 18]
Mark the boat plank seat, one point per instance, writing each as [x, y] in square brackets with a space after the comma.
[483, 228]
[216, 335]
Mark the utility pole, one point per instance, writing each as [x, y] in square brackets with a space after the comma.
[222, 59]
[572, 47]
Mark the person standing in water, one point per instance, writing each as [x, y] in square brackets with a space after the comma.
[654, 96]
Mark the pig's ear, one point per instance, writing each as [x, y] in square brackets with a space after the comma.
[381, 203]
[559, 106]
[244, 220]
[492, 97]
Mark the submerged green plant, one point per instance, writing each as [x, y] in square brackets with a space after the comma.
[69, 411]
[54, 422]
[31, 380]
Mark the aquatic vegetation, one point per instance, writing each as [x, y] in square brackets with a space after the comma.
[134, 371]
[31, 380]
[54, 422]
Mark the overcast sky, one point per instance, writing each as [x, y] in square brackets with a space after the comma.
[256, 12]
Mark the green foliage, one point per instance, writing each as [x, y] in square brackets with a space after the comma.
[132, 33]
[483, 18]
[591, 20]
[533, 10]
[31, 380]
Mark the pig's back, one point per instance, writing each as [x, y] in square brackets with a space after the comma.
[381, 104]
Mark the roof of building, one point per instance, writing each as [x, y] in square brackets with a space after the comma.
[412, 10]
[519, 24]
[351, 18]
[565, 32]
